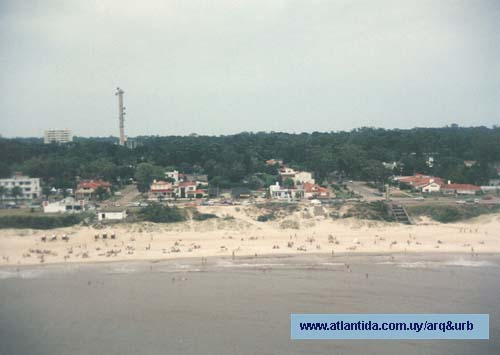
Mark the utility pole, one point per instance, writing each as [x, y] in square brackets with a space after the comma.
[121, 114]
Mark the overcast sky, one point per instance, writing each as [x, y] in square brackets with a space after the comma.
[226, 66]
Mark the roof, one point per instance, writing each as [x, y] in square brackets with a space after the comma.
[187, 183]
[461, 187]
[196, 192]
[93, 184]
[419, 180]
[308, 187]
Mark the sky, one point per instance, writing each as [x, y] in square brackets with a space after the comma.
[226, 66]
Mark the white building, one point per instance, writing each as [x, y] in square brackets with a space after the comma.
[431, 187]
[173, 175]
[303, 177]
[57, 136]
[111, 214]
[67, 205]
[30, 187]
[282, 193]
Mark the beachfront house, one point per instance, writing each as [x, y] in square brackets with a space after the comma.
[189, 189]
[314, 191]
[277, 192]
[87, 190]
[431, 187]
[424, 183]
[162, 190]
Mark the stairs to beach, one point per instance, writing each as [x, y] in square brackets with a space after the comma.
[400, 214]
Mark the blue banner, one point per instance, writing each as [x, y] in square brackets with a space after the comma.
[390, 326]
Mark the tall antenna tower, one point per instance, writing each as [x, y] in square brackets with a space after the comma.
[121, 114]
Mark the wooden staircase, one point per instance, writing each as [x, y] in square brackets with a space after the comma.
[400, 214]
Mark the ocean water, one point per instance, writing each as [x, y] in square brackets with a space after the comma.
[238, 307]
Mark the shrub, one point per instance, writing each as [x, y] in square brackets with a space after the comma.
[448, 214]
[265, 217]
[197, 216]
[162, 214]
[40, 222]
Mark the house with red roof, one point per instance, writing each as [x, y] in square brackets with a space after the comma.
[161, 190]
[315, 191]
[164, 190]
[86, 190]
[424, 183]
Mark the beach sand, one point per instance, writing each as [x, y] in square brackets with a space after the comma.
[236, 233]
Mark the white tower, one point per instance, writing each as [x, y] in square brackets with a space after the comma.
[121, 114]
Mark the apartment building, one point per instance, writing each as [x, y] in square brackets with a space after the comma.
[57, 136]
[29, 188]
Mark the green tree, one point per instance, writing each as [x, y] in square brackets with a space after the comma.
[102, 193]
[16, 192]
[145, 174]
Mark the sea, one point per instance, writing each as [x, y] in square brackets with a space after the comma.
[242, 306]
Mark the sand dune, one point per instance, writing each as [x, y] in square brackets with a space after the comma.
[241, 235]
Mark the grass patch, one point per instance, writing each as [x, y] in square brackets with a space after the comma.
[448, 214]
[377, 210]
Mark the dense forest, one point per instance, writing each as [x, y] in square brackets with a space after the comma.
[240, 159]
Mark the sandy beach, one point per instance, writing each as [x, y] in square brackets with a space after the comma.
[240, 235]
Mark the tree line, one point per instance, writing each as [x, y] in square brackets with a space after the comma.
[236, 160]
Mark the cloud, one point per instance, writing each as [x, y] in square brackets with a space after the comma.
[226, 66]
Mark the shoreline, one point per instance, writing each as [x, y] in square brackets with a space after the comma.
[212, 261]
[266, 256]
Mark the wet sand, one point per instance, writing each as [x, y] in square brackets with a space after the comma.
[242, 307]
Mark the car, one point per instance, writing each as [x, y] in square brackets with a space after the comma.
[419, 198]
[460, 202]
[476, 200]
